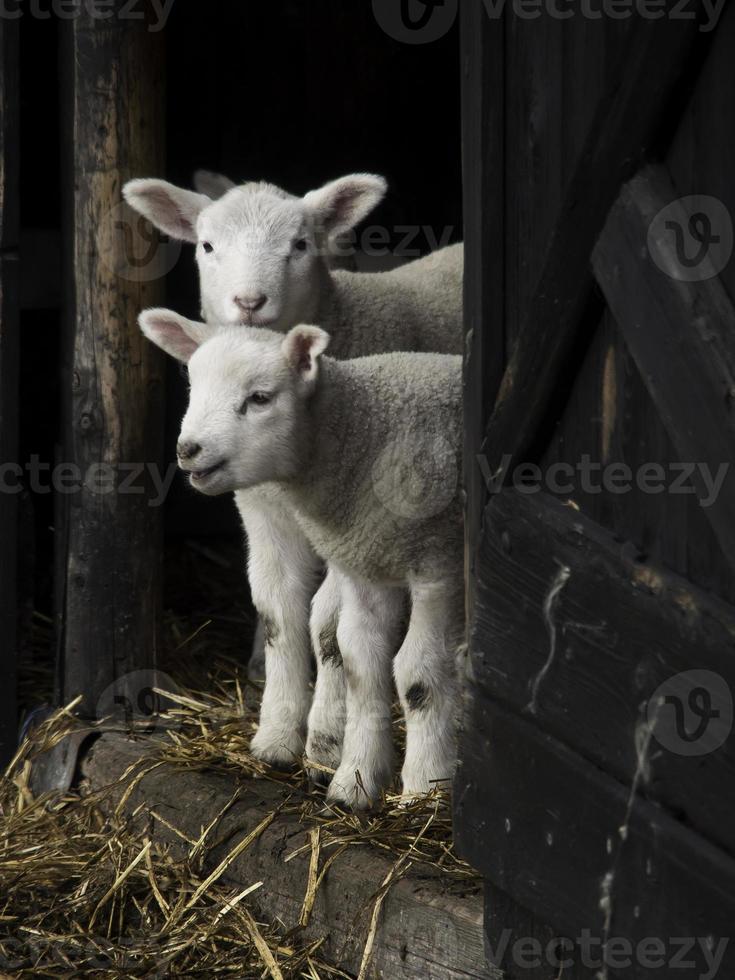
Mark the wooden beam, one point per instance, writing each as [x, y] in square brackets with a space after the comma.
[483, 122]
[582, 851]
[680, 335]
[426, 930]
[110, 543]
[9, 368]
[574, 630]
[628, 122]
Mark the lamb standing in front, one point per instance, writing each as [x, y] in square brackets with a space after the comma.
[324, 437]
[262, 257]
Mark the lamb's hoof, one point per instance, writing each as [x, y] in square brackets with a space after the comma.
[325, 750]
[283, 755]
[335, 804]
[318, 779]
[409, 798]
[353, 794]
[421, 789]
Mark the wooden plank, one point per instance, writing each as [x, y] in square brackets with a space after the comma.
[428, 930]
[9, 368]
[609, 413]
[697, 165]
[679, 333]
[110, 543]
[583, 853]
[628, 122]
[483, 121]
[574, 630]
[507, 927]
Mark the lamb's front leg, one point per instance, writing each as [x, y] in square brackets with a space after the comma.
[368, 634]
[284, 573]
[327, 715]
[426, 677]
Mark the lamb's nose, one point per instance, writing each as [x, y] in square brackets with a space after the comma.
[251, 304]
[188, 450]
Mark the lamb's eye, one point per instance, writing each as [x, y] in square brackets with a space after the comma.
[258, 398]
[300, 245]
[208, 247]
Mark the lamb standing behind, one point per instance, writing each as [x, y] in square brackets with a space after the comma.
[324, 436]
[261, 254]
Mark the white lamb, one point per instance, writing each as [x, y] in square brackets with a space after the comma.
[263, 261]
[325, 438]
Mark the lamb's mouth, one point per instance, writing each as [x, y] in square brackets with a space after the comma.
[199, 476]
[255, 321]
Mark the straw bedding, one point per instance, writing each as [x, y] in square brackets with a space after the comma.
[85, 893]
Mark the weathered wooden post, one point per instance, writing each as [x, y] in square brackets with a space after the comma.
[9, 344]
[110, 535]
[483, 75]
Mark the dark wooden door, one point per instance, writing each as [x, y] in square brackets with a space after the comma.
[596, 778]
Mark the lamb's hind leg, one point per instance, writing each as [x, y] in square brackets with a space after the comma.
[368, 633]
[426, 677]
[284, 573]
[327, 715]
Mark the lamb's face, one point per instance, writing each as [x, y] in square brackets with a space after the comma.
[247, 422]
[243, 426]
[261, 252]
[259, 259]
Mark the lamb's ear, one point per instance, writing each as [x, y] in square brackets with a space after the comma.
[171, 209]
[212, 184]
[341, 204]
[302, 348]
[175, 334]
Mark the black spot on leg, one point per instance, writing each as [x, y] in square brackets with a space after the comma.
[329, 652]
[418, 697]
[270, 631]
[322, 743]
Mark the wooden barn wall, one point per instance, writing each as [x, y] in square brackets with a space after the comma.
[566, 766]
[606, 411]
